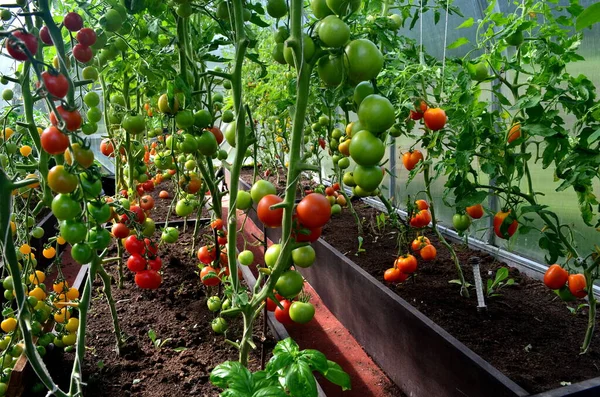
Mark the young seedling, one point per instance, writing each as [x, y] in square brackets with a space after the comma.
[494, 287]
[157, 342]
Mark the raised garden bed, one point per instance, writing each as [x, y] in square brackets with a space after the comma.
[401, 328]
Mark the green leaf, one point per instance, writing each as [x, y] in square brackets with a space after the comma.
[232, 375]
[458, 43]
[472, 199]
[262, 379]
[286, 346]
[588, 17]
[300, 380]
[539, 130]
[336, 375]
[594, 136]
[152, 335]
[278, 362]
[316, 359]
[255, 19]
[466, 24]
[271, 391]
[501, 274]
[180, 349]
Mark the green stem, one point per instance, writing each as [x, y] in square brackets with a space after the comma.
[113, 309]
[463, 284]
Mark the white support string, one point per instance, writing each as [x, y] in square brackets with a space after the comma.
[421, 60]
[444, 51]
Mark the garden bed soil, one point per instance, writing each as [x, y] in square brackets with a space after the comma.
[176, 311]
[527, 333]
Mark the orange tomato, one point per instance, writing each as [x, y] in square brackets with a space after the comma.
[556, 277]
[410, 159]
[428, 253]
[475, 211]
[577, 285]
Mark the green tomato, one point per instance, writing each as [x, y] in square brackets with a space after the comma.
[90, 72]
[217, 97]
[99, 238]
[246, 257]
[170, 235]
[260, 189]
[461, 222]
[336, 209]
[91, 99]
[302, 312]
[244, 200]
[376, 113]
[91, 186]
[184, 119]
[207, 143]
[133, 124]
[363, 60]
[94, 115]
[203, 119]
[272, 254]
[230, 134]
[344, 163]
[7, 94]
[304, 256]
[188, 144]
[149, 227]
[227, 116]
[368, 178]
[9, 295]
[73, 231]
[64, 207]
[333, 32]
[219, 325]
[37, 232]
[184, 208]
[99, 211]
[289, 284]
[81, 253]
[363, 90]
[214, 303]
[7, 283]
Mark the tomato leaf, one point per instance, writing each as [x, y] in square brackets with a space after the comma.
[458, 43]
[539, 130]
[588, 17]
[316, 359]
[336, 375]
[466, 24]
[300, 380]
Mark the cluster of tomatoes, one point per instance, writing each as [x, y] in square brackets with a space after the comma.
[144, 261]
[421, 215]
[567, 286]
[433, 118]
[212, 271]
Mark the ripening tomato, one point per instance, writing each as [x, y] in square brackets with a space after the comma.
[14, 51]
[163, 194]
[45, 35]
[394, 275]
[422, 204]
[421, 218]
[414, 115]
[86, 37]
[475, 211]
[107, 148]
[556, 277]
[411, 159]
[303, 234]
[577, 285]
[80, 155]
[53, 141]
[313, 211]
[270, 217]
[147, 202]
[209, 276]
[61, 181]
[505, 231]
[419, 243]
[151, 247]
[140, 216]
[435, 118]
[514, 133]
[217, 224]
[428, 253]
[217, 133]
[120, 230]
[407, 263]
[148, 279]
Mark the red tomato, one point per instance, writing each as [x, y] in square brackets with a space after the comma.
[421, 219]
[207, 254]
[86, 37]
[419, 243]
[336, 186]
[148, 279]
[151, 246]
[56, 84]
[475, 211]
[134, 245]
[270, 217]
[107, 148]
[72, 118]
[283, 315]
[136, 263]
[217, 224]
[83, 53]
[577, 285]
[73, 21]
[394, 275]
[313, 211]
[155, 263]
[163, 194]
[53, 141]
[556, 277]
[148, 186]
[499, 219]
[13, 49]
[140, 216]
[329, 191]
[217, 133]
[303, 234]
[45, 35]
[209, 276]
[147, 202]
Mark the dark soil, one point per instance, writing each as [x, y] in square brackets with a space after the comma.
[527, 333]
[247, 175]
[161, 206]
[176, 311]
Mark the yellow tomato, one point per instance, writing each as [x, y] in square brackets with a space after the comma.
[25, 150]
[9, 325]
[49, 252]
[62, 315]
[60, 286]
[13, 227]
[61, 240]
[37, 278]
[38, 293]
[73, 293]
[72, 325]
[25, 249]
[69, 340]
[7, 133]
